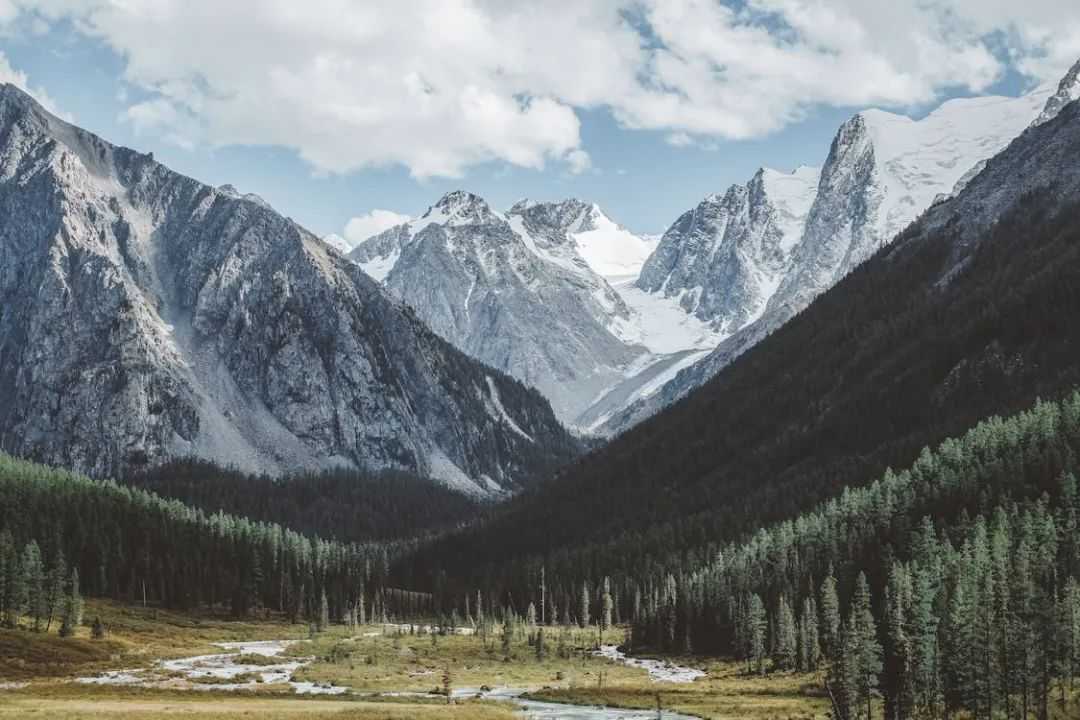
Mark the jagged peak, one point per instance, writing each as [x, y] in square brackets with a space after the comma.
[1068, 90]
[458, 207]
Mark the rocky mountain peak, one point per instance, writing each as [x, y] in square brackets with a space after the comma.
[147, 316]
[1068, 90]
[459, 207]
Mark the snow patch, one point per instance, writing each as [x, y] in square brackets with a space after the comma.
[497, 402]
[613, 252]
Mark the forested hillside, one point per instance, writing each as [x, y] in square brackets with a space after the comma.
[133, 545]
[952, 585]
[347, 505]
[967, 316]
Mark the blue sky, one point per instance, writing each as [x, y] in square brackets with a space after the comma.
[641, 178]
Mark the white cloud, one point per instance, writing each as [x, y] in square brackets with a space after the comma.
[578, 161]
[163, 117]
[438, 86]
[8, 74]
[679, 139]
[359, 229]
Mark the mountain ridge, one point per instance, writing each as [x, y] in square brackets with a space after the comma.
[148, 316]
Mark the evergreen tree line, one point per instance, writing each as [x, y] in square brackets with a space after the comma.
[37, 594]
[135, 546]
[891, 360]
[951, 586]
[342, 504]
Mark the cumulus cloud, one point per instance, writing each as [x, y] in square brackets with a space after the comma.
[438, 86]
[359, 229]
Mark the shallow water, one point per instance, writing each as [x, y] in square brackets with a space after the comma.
[224, 666]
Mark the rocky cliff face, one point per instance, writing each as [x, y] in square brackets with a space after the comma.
[512, 290]
[723, 260]
[882, 171]
[144, 315]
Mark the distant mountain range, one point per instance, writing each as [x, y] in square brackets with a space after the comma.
[612, 326]
[967, 315]
[144, 315]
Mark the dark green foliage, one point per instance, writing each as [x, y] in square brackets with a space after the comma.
[129, 544]
[347, 505]
[887, 362]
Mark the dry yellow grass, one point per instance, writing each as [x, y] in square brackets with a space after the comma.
[229, 707]
[726, 693]
[368, 660]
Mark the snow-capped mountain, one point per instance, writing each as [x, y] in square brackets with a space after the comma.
[337, 242]
[882, 171]
[724, 259]
[144, 315]
[513, 290]
[610, 250]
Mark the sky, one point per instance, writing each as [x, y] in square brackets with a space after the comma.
[350, 116]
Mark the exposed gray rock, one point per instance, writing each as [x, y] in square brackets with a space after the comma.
[144, 315]
[1068, 90]
[511, 290]
[882, 171]
[724, 259]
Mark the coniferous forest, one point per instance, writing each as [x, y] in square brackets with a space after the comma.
[951, 585]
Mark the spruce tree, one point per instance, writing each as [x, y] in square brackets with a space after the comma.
[830, 616]
[868, 661]
[583, 617]
[32, 586]
[324, 612]
[757, 621]
[55, 580]
[72, 611]
[9, 580]
[507, 634]
[606, 608]
[809, 643]
[786, 638]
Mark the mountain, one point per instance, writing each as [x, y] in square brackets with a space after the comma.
[724, 259]
[882, 171]
[146, 316]
[514, 290]
[610, 250]
[967, 314]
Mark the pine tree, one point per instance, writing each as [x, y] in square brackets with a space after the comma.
[55, 580]
[868, 660]
[924, 637]
[899, 688]
[71, 617]
[324, 612]
[10, 579]
[530, 616]
[32, 586]
[508, 634]
[784, 657]
[830, 616]
[757, 623]
[541, 649]
[606, 608]
[844, 675]
[583, 617]
[809, 643]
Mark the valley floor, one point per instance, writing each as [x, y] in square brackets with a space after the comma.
[390, 675]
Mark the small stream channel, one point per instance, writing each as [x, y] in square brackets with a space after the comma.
[223, 672]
